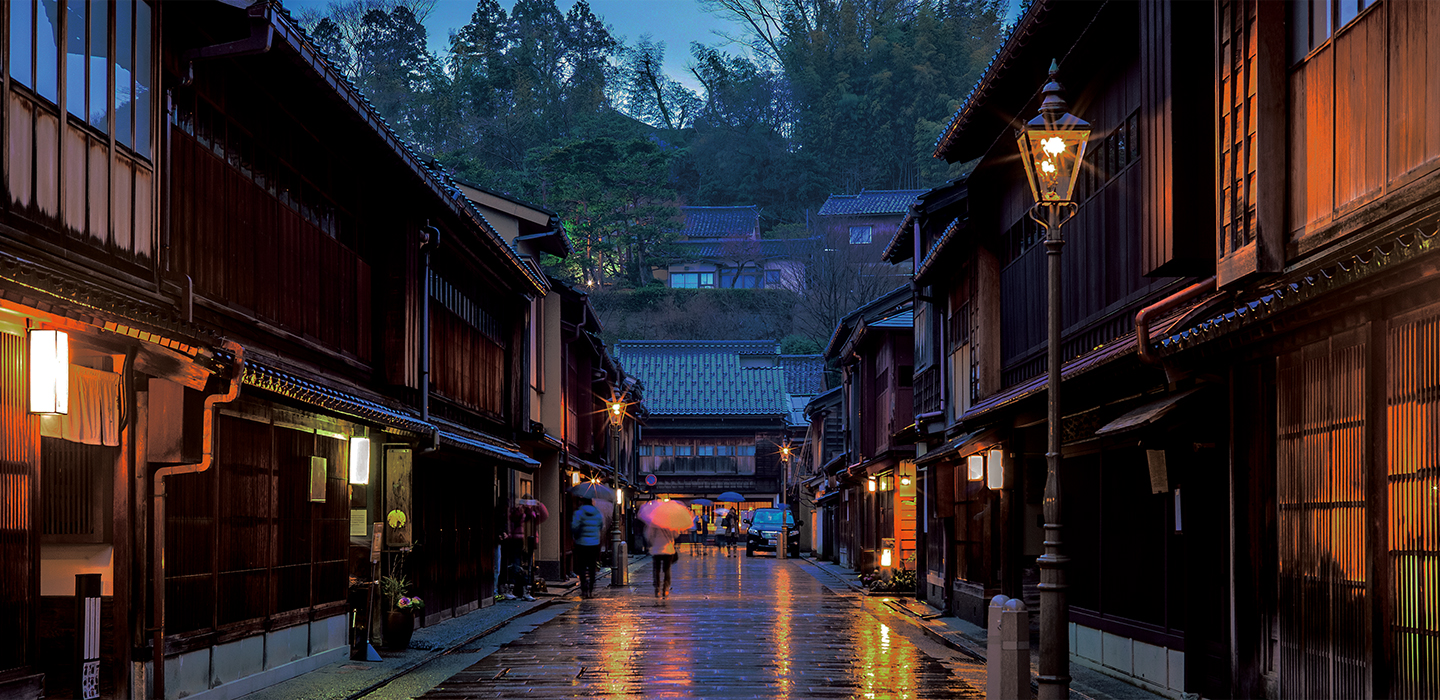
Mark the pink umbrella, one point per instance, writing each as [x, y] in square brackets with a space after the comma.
[666, 515]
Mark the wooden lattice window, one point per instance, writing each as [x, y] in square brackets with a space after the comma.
[1322, 511]
[1237, 123]
[1413, 496]
[76, 487]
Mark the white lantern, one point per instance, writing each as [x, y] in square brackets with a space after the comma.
[976, 463]
[359, 460]
[49, 372]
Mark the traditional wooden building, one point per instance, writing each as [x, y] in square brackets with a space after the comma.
[716, 414]
[1145, 581]
[857, 227]
[721, 248]
[873, 348]
[254, 379]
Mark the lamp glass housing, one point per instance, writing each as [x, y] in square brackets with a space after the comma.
[996, 474]
[872, 483]
[616, 414]
[976, 463]
[1052, 154]
[359, 460]
[574, 478]
[49, 372]
[885, 557]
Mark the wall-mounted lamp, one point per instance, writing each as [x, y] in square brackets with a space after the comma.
[574, 478]
[904, 479]
[359, 460]
[976, 464]
[49, 372]
[996, 475]
[872, 484]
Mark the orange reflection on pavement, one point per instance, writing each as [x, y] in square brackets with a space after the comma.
[783, 602]
[617, 651]
[883, 669]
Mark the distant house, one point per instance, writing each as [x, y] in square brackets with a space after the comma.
[721, 248]
[718, 411]
[864, 223]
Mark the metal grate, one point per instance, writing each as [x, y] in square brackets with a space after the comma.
[1413, 483]
[1321, 497]
[18, 442]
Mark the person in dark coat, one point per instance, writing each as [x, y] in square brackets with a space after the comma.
[586, 525]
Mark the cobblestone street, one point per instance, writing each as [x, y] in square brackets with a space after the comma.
[732, 627]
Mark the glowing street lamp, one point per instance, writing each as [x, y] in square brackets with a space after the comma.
[620, 570]
[1052, 146]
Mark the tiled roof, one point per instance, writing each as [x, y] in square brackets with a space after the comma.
[721, 222]
[870, 202]
[804, 374]
[903, 319]
[795, 248]
[704, 377]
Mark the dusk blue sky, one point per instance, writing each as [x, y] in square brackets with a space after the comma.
[675, 22]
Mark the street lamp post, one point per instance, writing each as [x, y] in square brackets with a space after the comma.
[620, 567]
[782, 550]
[1052, 146]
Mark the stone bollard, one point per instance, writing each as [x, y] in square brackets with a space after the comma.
[1007, 662]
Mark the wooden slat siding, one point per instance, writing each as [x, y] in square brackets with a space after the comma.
[332, 523]
[244, 248]
[76, 481]
[465, 366]
[98, 194]
[19, 143]
[1413, 480]
[189, 550]
[1360, 68]
[1322, 514]
[19, 491]
[247, 521]
[1157, 107]
[290, 582]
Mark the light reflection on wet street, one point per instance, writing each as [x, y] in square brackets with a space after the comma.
[732, 627]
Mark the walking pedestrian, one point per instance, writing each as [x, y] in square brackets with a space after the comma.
[731, 524]
[662, 555]
[586, 525]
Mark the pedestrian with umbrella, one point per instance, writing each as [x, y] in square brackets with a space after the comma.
[587, 526]
[664, 521]
[702, 524]
[731, 524]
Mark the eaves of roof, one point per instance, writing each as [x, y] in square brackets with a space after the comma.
[1045, 28]
[1301, 287]
[926, 266]
[288, 29]
[898, 250]
[893, 297]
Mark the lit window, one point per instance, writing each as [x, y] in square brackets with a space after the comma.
[705, 451]
[860, 235]
[772, 278]
[682, 450]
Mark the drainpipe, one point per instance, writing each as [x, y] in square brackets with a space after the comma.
[429, 241]
[1151, 312]
[207, 454]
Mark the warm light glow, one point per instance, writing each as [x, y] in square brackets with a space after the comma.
[977, 467]
[885, 558]
[1054, 145]
[359, 460]
[574, 478]
[905, 480]
[49, 372]
[872, 483]
[997, 469]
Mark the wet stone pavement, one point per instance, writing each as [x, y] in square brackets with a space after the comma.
[732, 627]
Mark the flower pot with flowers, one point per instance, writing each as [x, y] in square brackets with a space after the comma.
[402, 607]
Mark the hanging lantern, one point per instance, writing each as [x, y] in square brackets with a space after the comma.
[49, 372]
[976, 464]
[359, 460]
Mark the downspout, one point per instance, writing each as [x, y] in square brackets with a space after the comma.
[429, 241]
[1148, 314]
[207, 454]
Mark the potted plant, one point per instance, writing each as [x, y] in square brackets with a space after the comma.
[401, 608]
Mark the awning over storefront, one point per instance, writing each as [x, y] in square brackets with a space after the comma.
[1144, 415]
[503, 451]
[956, 446]
[830, 497]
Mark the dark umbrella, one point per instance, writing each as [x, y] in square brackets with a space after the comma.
[701, 502]
[590, 489]
[730, 497]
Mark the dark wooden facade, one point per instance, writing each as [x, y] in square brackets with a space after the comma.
[168, 225]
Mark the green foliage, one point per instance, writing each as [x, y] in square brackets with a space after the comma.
[799, 345]
[655, 312]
